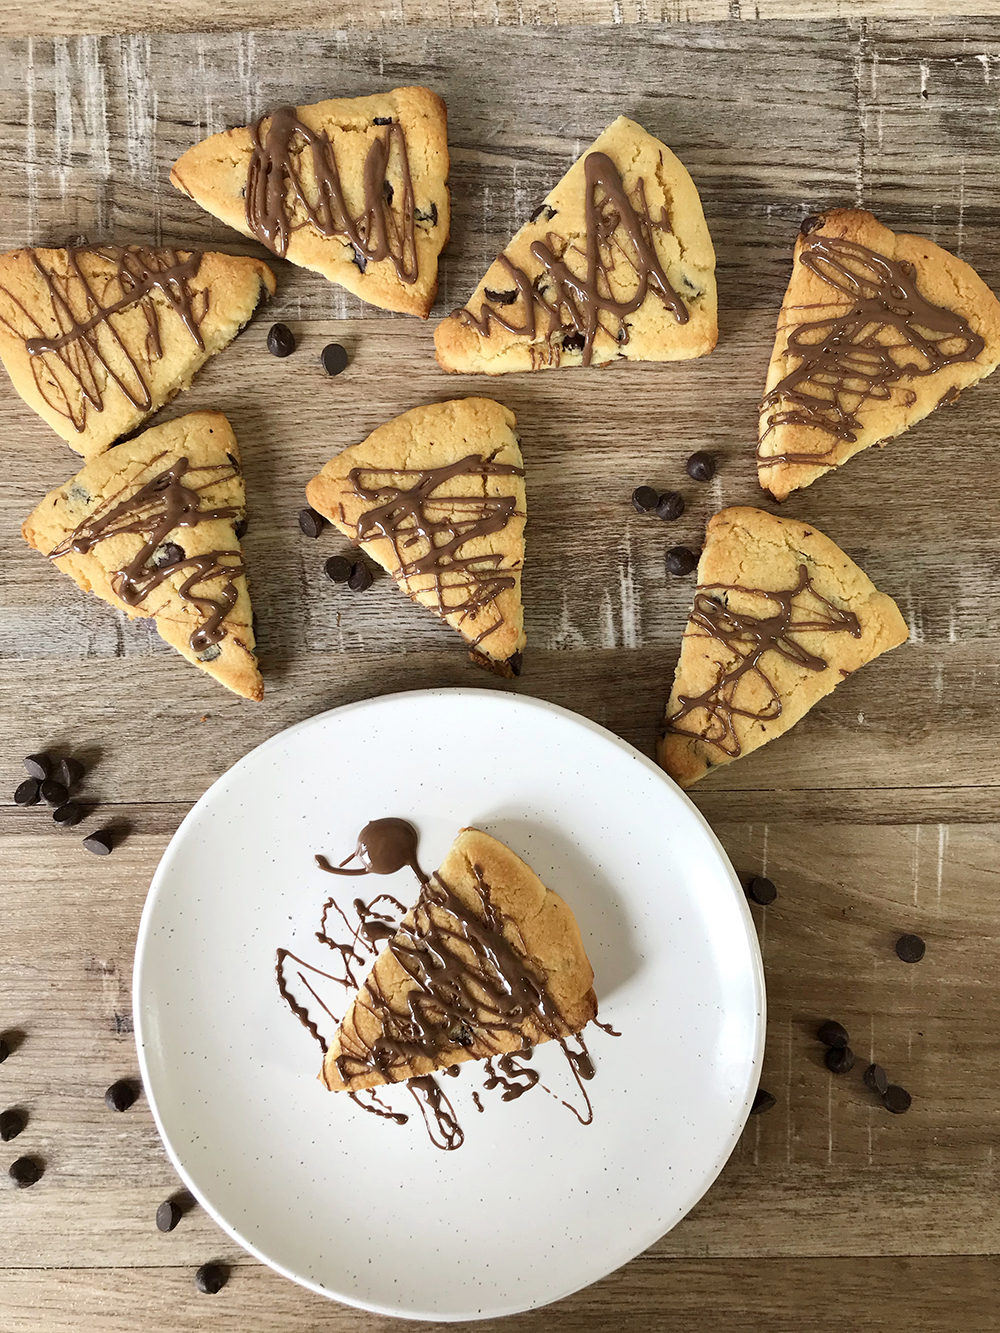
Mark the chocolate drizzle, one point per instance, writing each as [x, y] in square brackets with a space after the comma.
[80, 350]
[293, 181]
[747, 638]
[170, 501]
[384, 846]
[407, 515]
[858, 350]
[619, 232]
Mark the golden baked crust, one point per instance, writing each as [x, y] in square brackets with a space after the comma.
[538, 925]
[214, 173]
[482, 602]
[206, 441]
[747, 552]
[113, 376]
[941, 279]
[652, 176]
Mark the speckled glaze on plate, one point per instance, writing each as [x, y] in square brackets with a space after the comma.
[534, 1206]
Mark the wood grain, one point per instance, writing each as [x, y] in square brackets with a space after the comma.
[877, 814]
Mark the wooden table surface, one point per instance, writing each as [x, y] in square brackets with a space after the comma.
[876, 815]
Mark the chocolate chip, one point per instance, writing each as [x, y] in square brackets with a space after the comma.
[311, 523]
[910, 948]
[360, 259]
[27, 792]
[53, 792]
[426, 215]
[210, 653]
[839, 1059]
[233, 460]
[121, 1095]
[211, 1278]
[360, 577]
[812, 223]
[169, 553]
[387, 192]
[4, 1050]
[573, 342]
[896, 1099]
[700, 466]
[240, 529]
[69, 771]
[763, 1101]
[461, 1036]
[876, 1079]
[38, 766]
[100, 843]
[334, 358]
[382, 120]
[644, 499]
[11, 1124]
[670, 505]
[762, 890]
[167, 1215]
[26, 1171]
[338, 569]
[68, 814]
[515, 662]
[833, 1034]
[280, 340]
[681, 561]
[544, 212]
[500, 298]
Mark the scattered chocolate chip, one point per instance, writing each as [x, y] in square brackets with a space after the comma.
[544, 212]
[382, 120]
[121, 1095]
[338, 569]
[68, 814]
[211, 1278]
[100, 843]
[670, 506]
[763, 1101]
[681, 561]
[644, 499]
[69, 771]
[762, 890]
[25, 1171]
[387, 192]
[27, 792]
[426, 215]
[515, 662]
[240, 529]
[53, 792]
[167, 1215]
[38, 766]
[832, 1033]
[4, 1050]
[311, 523]
[700, 466]
[839, 1059]
[11, 1124]
[896, 1099]
[280, 340]
[334, 358]
[360, 577]
[169, 553]
[876, 1079]
[910, 948]
[500, 298]
[573, 342]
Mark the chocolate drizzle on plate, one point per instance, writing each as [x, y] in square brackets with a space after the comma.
[858, 349]
[619, 233]
[747, 639]
[293, 181]
[408, 510]
[384, 846]
[171, 500]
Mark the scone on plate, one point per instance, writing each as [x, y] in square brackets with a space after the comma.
[487, 961]
[876, 330]
[151, 527]
[781, 616]
[355, 188]
[436, 496]
[616, 264]
[95, 338]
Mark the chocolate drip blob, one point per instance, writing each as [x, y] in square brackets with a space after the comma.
[384, 846]
[618, 232]
[858, 351]
[748, 638]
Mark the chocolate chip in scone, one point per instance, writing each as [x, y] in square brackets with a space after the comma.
[500, 298]
[100, 843]
[681, 561]
[644, 499]
[11, 1124]
[69, 814]
[876, 1079]
[38, 766]
[700, 466]
[69, 771]
[896, 1099]
[311, 522]
[168, 1214]
[833, 1034]
[573, 341]
[387, 192]
[240, 529]
[211, 1278]
[338, 569]
[763, 1101]
[812, 223]
[26, 1171]
[382, 120]
[121, 1095]
[359, 259]
[210, 653]
[670, 506]
[167, 553]
[334, 358]
[426, 215]
[360, 577]
[280, 340]
[27, 792]
[839, 1059]
[762, 890]
[461, 1035]
[543, 212]
[53, 792]
[910, 948]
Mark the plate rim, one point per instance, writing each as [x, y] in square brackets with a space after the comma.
[699, 1189]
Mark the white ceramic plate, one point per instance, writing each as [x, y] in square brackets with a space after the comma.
[533, 1206]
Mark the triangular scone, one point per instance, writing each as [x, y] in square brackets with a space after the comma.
[876, 330]
[617, 263]
[96, 338]
[355, 188]
[514, 969]
[436, 496]
[781, 616]
[151, 527]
